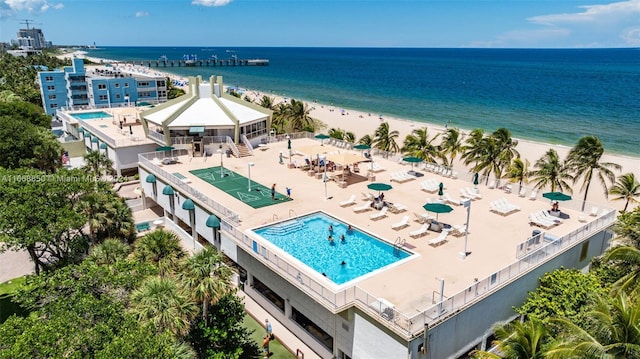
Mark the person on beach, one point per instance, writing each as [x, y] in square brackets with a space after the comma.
[269, 328]
[265, 346]
[288, 192]
[273, 192]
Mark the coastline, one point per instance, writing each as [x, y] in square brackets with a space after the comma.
[362, 123]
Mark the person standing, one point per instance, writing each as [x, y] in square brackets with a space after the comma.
[269, 329]
[265, 346]
[273, 192]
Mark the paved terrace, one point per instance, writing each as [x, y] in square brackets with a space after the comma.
[412, 287]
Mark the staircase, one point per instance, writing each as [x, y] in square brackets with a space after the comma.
[243, 151]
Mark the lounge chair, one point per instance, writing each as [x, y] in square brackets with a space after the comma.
[367, 196]
[420, 231]
[594, 211]
[380, 214]
[429, 186]
[363, 208]
[403, 223]
[523, 192]
[349, 202]
[397, 208]
[459, 230]
[439, 239]
[447, 198]
[533, 195]
[375, 167]
[493, 184]
[422, 218]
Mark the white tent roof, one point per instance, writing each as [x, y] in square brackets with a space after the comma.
[162, 115]
[203, 112]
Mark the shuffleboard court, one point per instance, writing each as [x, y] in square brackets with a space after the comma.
[237, 186]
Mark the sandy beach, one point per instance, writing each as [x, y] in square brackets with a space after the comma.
[363, 123]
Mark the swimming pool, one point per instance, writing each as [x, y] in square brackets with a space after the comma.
[306, 239]
[90, 115]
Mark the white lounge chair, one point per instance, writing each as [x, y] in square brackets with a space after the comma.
[523, 192]
[428, 186]
[349, 202]
[533, 195]
[380, 214]
[447, 198]
[397, 208]
[594, 211]
[403, 223]
[375, 167]
[367, 196]
[363, 208]
[439, 239]
[421, 231]
[493, 184]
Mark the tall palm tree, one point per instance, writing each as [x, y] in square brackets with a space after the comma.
[626, 188]
[472, 149]
[495, 152]
[109, 252]
[630, 256]
[584, 161]
[551, 172]
[206, 277]
[366, 140]
[97, 163]
[279, 118]
[613, 332]
[518, 172]
[163, 303]
[384, 139]
[452, 144]
[350, 137]
[160, 248]
[506, 145]
[336, 133]
[518, 340]
[418, 144]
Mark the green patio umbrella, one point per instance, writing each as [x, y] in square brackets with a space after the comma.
[361, 147]
[379, 186]
[441, 189]
[412, 160]
[475, 179]
[321, 137]
[164, 148]
[437, 208]
[556, 196]
[289, 144]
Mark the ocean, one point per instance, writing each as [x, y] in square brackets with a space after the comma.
[545, 95]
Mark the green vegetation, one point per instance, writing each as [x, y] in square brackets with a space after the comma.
[18, 75]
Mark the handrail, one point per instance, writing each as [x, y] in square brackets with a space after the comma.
[232, 146]
[247, 143]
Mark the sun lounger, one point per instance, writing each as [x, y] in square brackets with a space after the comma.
[403, 223]
[349, 202]
[375, 167]
[367, 196]
[363, 208]
[429, 186]
[503, 207]
[397, 208]
[421, 231]
[533, 195]
[459, 230]
[523, 192]
[439, 239]
[447, 198]
[380, 214]
[540, 221]
[401, 177]
[594, 211]
[423, 218]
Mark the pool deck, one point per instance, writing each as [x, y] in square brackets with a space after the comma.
[109, 128]
[410, 286]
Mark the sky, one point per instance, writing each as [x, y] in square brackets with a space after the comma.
[329, 23]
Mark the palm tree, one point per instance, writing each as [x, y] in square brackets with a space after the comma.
[206, 277]
[97, 163]
[518, 340]
[518, 172]
[630, 256]
[452, 144]
[384, 139]
[418, 144]
[267, 102]
[613, 332]
[550, 171]
[336, 133]
[472, 148]
[279, 118]
[366, 140]
[626, 188]
[160, 248]
[350, 137]
[298, 117]
[584, 161]
[109, 252]
[163, 303]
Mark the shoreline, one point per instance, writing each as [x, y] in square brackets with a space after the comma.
[362, 123]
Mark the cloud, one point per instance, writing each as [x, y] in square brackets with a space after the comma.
[30, 5]
[211, 2]
[593, 14]
[141, 14]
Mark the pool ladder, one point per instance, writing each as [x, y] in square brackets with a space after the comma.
[399, 243]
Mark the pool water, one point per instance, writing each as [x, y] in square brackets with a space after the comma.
[306, 239]
[90, 115]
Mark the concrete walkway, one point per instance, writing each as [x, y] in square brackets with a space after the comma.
[14, 265]
[285, 337]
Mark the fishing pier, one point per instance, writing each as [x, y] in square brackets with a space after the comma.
[193, 61]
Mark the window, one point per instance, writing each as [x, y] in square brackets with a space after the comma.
[143, 84]
[52, 97]
[118, 96]
[51, 88]
[117, 85]
[103, 97]
[48, 78]
[53, 105]
[102, 87]
[126, 84]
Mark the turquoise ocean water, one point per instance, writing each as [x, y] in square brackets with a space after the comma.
[546, 95]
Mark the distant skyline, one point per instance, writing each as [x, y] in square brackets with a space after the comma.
[329, 23]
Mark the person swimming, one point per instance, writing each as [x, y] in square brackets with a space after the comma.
[330, 228]
[349, 229]
[342, 237]
[331, 238]
[343, 263]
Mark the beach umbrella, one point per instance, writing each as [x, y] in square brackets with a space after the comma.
[441, 189]
[437, 208]
[321, 137]
[379, 186]
[361, 147]
[475, 179]
[164, 148]
[289, 144]
[412, 160]
[556, 196]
